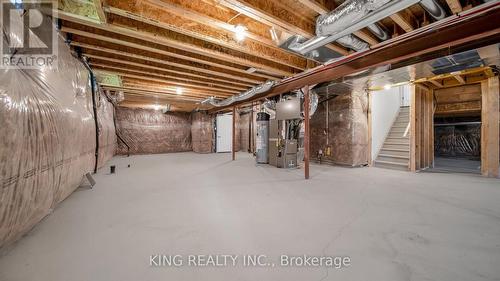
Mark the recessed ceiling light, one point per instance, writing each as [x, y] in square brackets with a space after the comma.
[387, 86]
[240, 32]
[156, 107]
[178, 90]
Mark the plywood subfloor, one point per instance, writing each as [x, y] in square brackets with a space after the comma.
[394, 225]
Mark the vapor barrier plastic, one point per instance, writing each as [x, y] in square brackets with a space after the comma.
[107, 134]
[151, 131]
[47, 140]
[201, 132]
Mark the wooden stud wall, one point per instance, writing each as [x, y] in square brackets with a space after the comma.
[421, 128]
[490, 127]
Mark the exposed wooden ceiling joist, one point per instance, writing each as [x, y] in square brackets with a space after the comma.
[404, 19]
[167, 77]
[272, 14]
[83, 25]
[455, 6]
[144, 61]
[105, 41]
[208, 90]
[176, 18]
[156, 32]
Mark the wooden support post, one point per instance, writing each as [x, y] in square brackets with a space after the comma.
[370, 137]
[233, 147]
[490, 127]
[413, 121]
[306, 132]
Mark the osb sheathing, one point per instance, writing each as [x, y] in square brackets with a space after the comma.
[47, 141]
[347, 133]
[202, 132]
[151, 131]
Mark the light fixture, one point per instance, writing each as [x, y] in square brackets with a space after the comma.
[156, 107]
[240, 32]
[178, 90]
[387, 86]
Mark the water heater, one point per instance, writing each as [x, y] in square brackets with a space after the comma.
[262, 140]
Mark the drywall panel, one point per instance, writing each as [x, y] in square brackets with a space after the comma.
[384, 106]
[152, 131]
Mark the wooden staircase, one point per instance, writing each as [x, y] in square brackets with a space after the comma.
[395, 153]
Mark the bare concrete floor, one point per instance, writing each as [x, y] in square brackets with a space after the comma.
[393, 225]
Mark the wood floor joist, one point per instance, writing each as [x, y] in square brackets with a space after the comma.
[168, 78]
[153, 93]
[154, 32]
[89, 27]
[108, 40]
[198, 25]
[270, 13]
[156, 64]
[168, 83]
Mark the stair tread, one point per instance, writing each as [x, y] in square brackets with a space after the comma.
[397, 149]
[391, 163]
[394, 156]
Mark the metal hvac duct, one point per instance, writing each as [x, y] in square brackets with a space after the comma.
[264, 87]
[379, 31]
[353, 42]
[349, 17]
[433, 8]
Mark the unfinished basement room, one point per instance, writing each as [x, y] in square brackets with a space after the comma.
[267, 140]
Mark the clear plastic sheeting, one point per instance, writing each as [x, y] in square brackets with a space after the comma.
[152, 131]
[201, 132]
[107, 134]
[47, 140]
[458, 141]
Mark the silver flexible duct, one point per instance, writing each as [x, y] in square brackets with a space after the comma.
[351, 16]
[434, 9]
[353, 42]
[344, 15]
[380, 32]
[264, 87]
